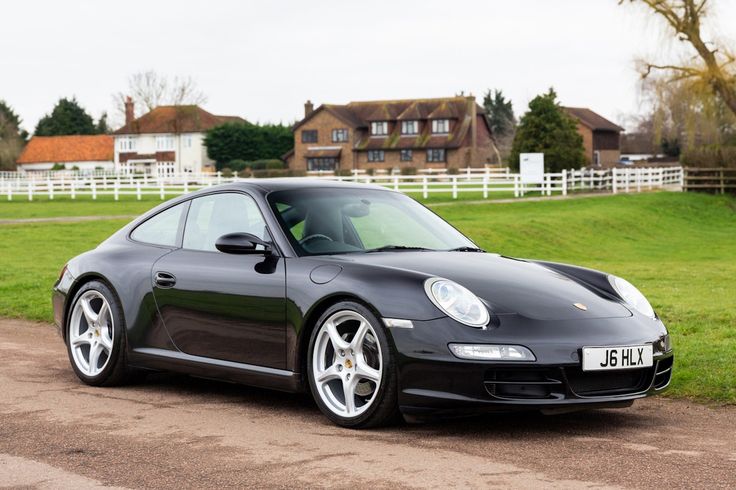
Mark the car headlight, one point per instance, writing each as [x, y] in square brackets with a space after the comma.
[457, 302]
[631, 296]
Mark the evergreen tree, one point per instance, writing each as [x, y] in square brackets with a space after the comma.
[12, 137]
[500, 113]
[67, 117]
[248, 142]
[547, 128]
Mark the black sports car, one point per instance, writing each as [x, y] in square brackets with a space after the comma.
[362, 296]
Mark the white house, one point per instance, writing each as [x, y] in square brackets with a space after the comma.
[79, 152]
[169, 139]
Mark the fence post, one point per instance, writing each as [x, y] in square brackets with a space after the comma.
[627, 175]
[30, 190]
[186, 186]
[614, 180]
[485, 185]
[516, 186]
[682, 179]
[638, 179]
[116, 189]
[50, 189]
[94, 190]
[138, 190]
[564, 182]
[454, 186]
[425, 191]
[161, 189]
[73, 189]
[396, 182]
[219, 178]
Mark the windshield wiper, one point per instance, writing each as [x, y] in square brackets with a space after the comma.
[467, 249]
[389, 248]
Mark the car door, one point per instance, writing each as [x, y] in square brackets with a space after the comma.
[217, 305]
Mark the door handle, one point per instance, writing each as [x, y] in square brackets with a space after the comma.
[164, 280]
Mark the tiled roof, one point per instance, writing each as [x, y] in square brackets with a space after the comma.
[176, 119]
[360, 114]
[592, 120]
[60, 149]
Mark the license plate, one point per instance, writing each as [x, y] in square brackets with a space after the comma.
[622, 357]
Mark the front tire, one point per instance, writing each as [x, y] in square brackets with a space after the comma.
[95, 336]
[351, 369]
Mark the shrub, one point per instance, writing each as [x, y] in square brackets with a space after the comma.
[709, 156]
[274, 164]
[408, 170]
[58, 166]
[245, 173]
[370, 171]
[227, 172]
[453, 170]
[237, 165]
[343, 172]
[283, 172]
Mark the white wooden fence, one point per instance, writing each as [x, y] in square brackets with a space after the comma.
[480, 181]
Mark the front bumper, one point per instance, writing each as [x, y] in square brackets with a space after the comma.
[433, 381]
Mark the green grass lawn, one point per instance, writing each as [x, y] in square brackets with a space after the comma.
[679, 249]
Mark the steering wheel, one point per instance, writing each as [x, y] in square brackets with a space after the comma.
[314, 237]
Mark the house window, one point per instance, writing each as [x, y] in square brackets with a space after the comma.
[409, 127]
[406, 155]
[436, 155]
[325, 163]
[126, 143]
[187, 141]
[165, 143]
[379, 128]
[339, 135]
[441, 126]
[309, 136]
[376, 155]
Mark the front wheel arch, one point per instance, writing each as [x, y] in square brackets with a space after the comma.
[310, 323]
[76, 286]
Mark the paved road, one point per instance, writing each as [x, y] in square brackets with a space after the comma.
[179, 432]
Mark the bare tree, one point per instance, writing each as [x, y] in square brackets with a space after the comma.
[150, 89]
[714, 66]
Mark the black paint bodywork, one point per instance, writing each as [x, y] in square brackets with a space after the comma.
[247, 318]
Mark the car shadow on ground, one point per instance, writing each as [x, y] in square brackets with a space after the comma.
[499, 426]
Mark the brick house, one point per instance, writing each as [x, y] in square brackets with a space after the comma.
[83, 152]
[168, 139]
[421, 133]
[601, 137]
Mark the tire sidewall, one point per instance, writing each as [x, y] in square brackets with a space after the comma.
[118, 333]
[364, 419]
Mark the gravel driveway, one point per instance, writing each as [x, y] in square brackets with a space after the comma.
[179, 432]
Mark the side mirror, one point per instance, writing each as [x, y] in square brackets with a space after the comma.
[241, 243]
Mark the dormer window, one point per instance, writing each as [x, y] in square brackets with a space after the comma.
[379, 128]
[440, 126]
[409, 127]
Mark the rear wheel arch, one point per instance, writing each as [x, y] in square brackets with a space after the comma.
[79, 284]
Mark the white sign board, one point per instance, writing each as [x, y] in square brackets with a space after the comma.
[531, 166]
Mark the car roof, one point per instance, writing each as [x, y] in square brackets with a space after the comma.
[291, 183]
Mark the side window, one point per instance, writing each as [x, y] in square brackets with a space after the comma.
[161, 229]
[212, 216]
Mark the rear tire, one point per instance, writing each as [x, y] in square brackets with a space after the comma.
[351, 368]
[95, 336]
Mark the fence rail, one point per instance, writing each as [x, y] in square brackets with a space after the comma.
[480, 181]
[715, 180]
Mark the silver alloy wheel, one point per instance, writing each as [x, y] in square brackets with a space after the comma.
[347, 363]
[91, 333]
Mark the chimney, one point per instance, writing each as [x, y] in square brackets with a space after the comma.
[129, 110]
[308, 108]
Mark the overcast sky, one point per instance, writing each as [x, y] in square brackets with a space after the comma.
[262, 60]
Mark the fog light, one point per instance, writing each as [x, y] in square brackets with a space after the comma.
[663, 345]
[492, 352]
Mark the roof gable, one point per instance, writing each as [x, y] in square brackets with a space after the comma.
[592, 120]
[176, 119]
[74, 148]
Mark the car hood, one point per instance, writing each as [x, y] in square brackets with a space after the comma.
[507, 285]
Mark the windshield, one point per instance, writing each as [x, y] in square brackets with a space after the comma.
[329, 220]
